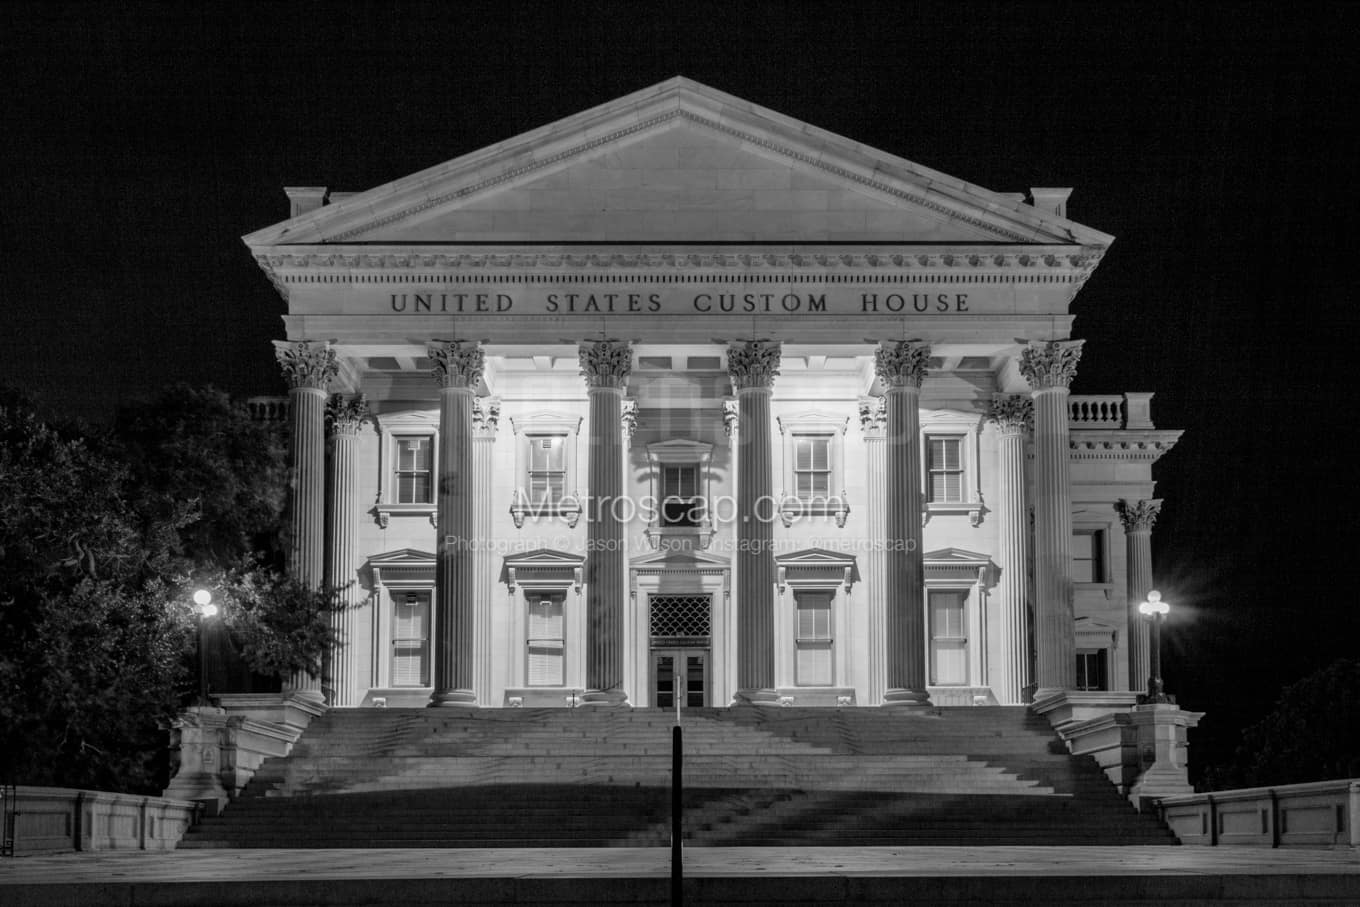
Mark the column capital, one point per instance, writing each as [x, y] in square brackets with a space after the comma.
[343, 414]
[873, 413]
[753, 363]
[731, 416]
[457, 363]
[1138, 515]
[1011, 413]
[606, 363]
[628, 415]
[1050, 364]
[306, 363]
[902, 363]
[486, 415]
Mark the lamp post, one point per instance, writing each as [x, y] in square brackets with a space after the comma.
[204, 608]
[1155, 610]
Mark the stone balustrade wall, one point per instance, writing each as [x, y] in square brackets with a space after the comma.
[1321, 814]
[57, 819]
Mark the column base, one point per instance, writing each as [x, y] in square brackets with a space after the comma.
[604, 699]
[453, 699]
[906, 699]
[756, 697]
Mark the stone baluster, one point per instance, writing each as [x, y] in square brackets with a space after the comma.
[752, 367]
[901, 365]
[1012, 415]
[872, 421]
[606, 365]
[308, 368]
[486, 415]
[343, 417]
[1138, 519]
[458, 368]
[1049, 368]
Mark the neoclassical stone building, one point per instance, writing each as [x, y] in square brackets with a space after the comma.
[682, 399]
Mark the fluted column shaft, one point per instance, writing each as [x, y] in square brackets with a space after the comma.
[457, 369]
[338, 675]
[308, 368]
[1138, 519]
[875, 573]
[752, 367]
[606, 366]
[1049, 369]
[486, 417]
[902, 367]
[1012, 415]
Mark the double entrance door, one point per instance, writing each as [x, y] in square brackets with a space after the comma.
[679, 674]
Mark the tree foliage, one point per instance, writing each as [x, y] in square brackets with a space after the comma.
[103, 537]
[1304, 737]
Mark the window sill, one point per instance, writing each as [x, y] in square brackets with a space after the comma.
[974, 510]
[571, 512]
[669, 536]
[385, 512]
[794, 508]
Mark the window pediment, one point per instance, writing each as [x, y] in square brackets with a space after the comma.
[543, 568]
[816, 567]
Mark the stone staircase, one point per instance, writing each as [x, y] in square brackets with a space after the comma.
[600, 777]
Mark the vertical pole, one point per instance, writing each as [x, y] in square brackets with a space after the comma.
[1155, 659]
[677, 815]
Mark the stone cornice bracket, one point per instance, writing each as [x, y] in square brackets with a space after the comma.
[606, 363]
[873, 413]
[902, 363]
[753, 364]
[343, 414]
[306, 363]
[486, 415]
[1138, 516]
[457, 363]
[1011, 413]
[1050, 364]
[731, 417]
[629, 418]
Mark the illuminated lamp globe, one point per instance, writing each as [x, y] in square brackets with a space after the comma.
[1154, 604]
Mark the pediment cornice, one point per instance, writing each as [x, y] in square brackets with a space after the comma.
[1139, 446]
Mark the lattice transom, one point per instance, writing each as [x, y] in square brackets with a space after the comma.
[680, 615]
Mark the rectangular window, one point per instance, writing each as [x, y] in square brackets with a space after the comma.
[1091, 674]
[948, 639]
[410, 639]
[681, 504]
[812, 667]
[547, 468]
[545, 641]
[812, 467]
[944, 463]
[415, 470]
[1088, 556]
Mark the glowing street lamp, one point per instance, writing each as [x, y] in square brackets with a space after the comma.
[204, 608]
[1155, 610]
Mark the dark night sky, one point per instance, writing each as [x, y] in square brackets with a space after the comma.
[1217, 143]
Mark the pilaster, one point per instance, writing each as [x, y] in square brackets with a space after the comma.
[457, 369]
[901, 366]
[1012, 415]
[339, 672]
[873, 425]
[752, 366]
[1138, 518]
[308, 368]
[1049, 368]
[606, 365]
[486, 413]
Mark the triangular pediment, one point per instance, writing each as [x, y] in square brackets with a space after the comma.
[955, 556]
[677, 163]
[679, 560]
[402, 557]
[544, 557]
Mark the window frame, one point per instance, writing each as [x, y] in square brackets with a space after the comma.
[1100, 544]
[1102, 654]
[964, 639]
[966, 428]
[825, 642]
[393, 428]
[836, 502]
[534, 597]
[679, 452]
[541, 425]
[426, 649]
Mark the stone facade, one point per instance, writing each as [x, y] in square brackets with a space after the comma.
[740, 411]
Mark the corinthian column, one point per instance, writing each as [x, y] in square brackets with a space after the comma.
[1138, 519]
[458, 369]
[342, 531]
[606, 366]
[902, 366]
[1012, 416]
[486, 416]
[308, 368]
[752, 367]
[872, 421]
[1049, 369]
